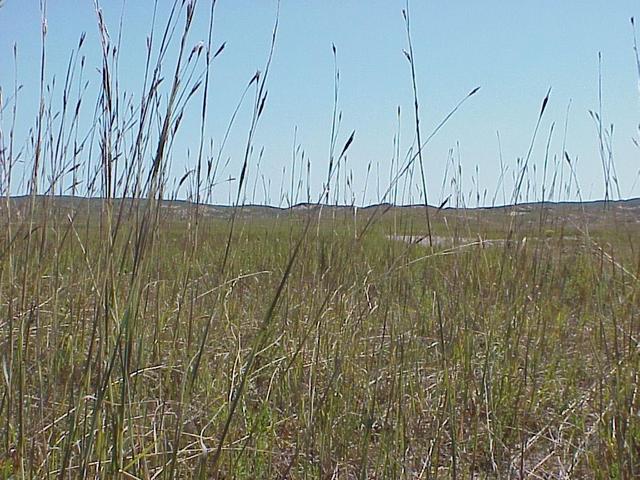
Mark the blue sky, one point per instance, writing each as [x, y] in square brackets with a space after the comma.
[514, 51]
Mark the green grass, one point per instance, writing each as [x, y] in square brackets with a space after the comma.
[378, 360]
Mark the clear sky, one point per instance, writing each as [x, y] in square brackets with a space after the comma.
[513, 50]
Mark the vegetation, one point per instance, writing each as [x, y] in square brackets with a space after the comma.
[142, 337]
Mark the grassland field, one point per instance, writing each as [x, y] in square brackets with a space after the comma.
[321, 347]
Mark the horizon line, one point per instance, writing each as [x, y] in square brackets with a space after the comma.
[444, 206]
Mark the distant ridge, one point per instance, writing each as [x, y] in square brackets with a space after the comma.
[223, 211]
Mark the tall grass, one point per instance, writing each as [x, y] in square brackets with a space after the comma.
[142, 337]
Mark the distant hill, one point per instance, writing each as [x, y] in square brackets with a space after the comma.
[181, 208]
